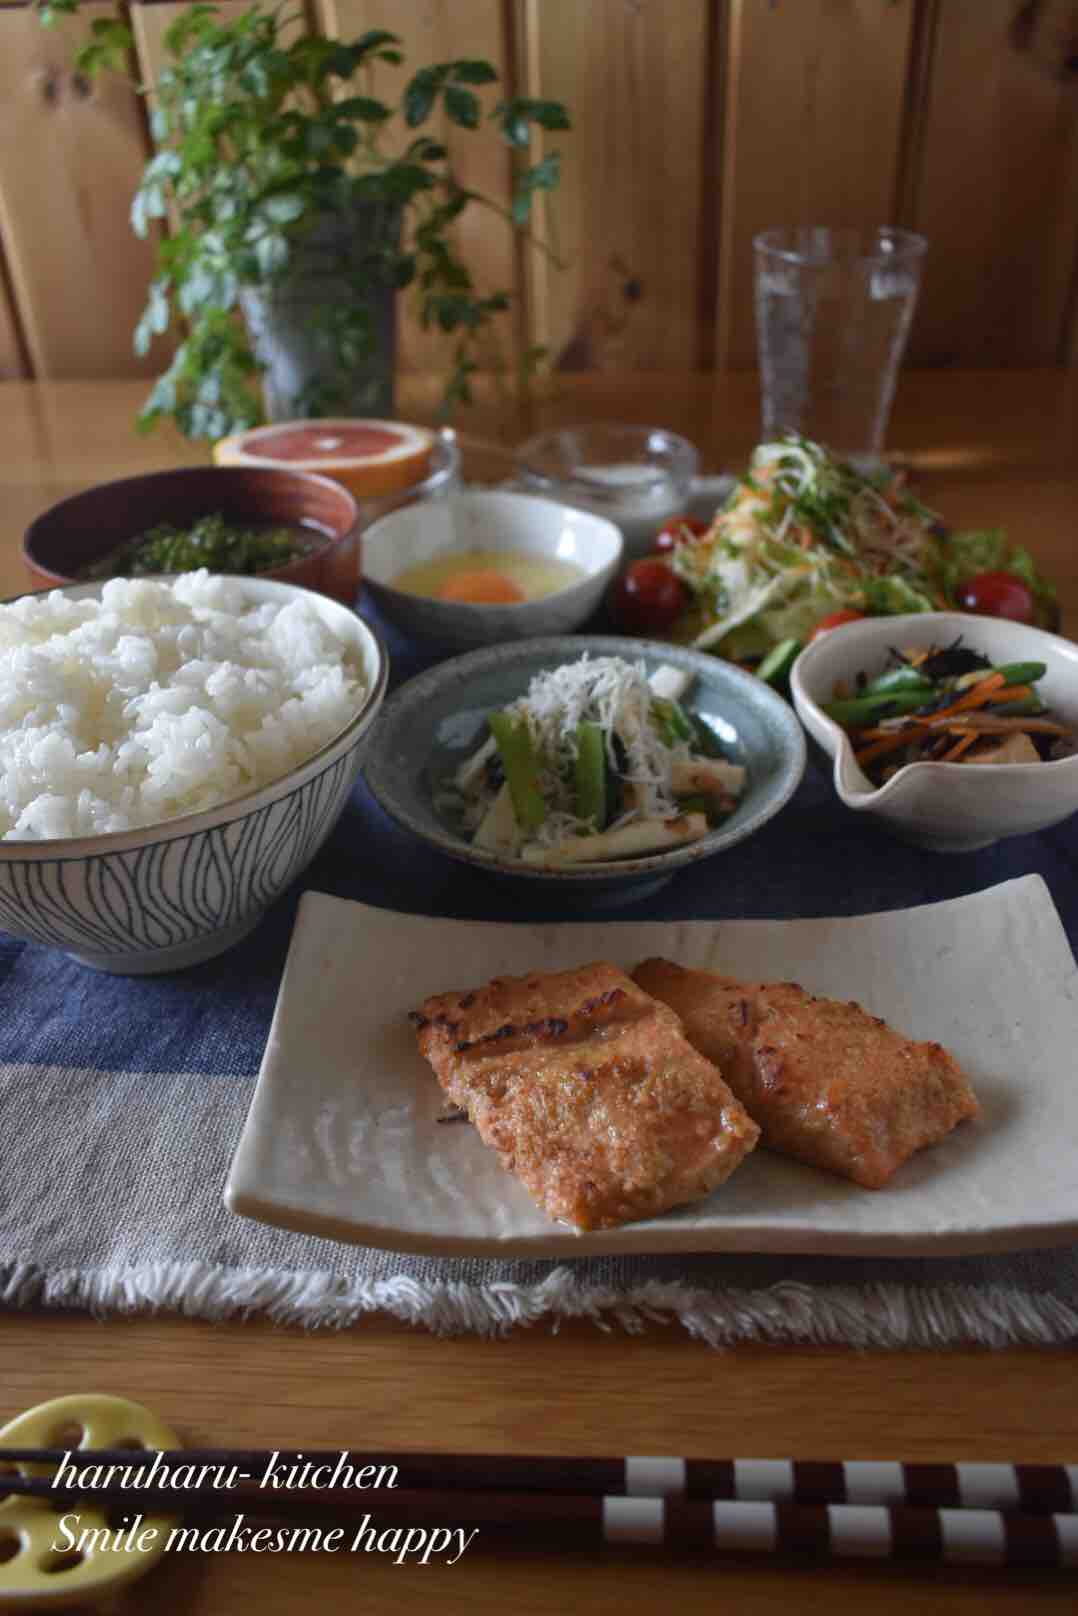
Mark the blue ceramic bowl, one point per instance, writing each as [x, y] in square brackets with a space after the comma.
[435, 721]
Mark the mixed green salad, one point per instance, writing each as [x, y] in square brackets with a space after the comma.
[804, 538]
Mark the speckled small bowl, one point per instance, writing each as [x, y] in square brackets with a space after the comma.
[489, 520]
[438, 719]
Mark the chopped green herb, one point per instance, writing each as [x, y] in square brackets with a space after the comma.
[211, 542]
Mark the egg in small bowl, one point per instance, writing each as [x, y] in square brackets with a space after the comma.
[480, 568]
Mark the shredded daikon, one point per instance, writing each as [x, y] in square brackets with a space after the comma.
[654, 780]
[616, 695]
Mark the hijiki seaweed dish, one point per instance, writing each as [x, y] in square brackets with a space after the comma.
[948, 704]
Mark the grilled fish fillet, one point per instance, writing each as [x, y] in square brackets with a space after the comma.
[589, 1092]
[828, 1083]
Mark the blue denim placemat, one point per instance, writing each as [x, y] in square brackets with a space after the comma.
[122, 1100]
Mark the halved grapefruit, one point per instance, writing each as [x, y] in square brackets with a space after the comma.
[368, 457]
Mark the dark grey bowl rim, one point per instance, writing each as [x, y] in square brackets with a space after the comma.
[571, 647]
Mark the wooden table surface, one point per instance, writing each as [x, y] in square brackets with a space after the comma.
[987, 449]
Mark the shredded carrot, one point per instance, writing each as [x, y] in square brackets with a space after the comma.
[912, 729]
[959, 747]
[973, 698]
[1014, 693]
[894, 739]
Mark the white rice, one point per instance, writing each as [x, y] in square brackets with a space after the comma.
[159, 699]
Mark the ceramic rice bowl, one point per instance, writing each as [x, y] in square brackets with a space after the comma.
[170, 895]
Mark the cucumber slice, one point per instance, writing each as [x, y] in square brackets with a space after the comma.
[774, 670]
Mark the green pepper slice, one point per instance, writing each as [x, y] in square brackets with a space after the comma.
[521, 765]
[590, 774]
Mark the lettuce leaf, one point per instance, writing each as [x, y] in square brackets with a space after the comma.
[988, 550]
[965, 554]
[889, 597]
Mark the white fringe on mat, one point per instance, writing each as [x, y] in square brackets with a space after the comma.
[872, 1316]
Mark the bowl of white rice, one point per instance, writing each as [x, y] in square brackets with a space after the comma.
[173, 753]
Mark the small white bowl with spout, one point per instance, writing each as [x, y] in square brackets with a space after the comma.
[948, 807]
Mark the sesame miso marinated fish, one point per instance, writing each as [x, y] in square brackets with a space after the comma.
[827, 1082]
[589, 1092]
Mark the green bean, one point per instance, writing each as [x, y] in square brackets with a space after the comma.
[1021, 673]
[673, 723]
[1024, 707]
[521, 766]
[859, 711]
[904, 678]
[590, 774]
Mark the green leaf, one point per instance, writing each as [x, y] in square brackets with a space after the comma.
[425, 150]
[462, 107]
[372, 39]
[419, 96]
[189, 25]
[272, 255]
[542, 176]
[50, 13]
[515, 118]
[156, 316]
[398, 184]
[284, 208]
[147, 203]
[112, 43]
[142, 337]
[165, 165]
[362, 108]
[549, 114]
[474, 72]
[319, 138]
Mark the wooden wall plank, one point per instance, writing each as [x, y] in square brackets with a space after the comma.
[628, 215]
[996, 195]
[12, 363]
[696, 123]
[70, 157]
[810, 134]
[434, 32]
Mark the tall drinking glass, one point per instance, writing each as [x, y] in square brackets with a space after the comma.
[833, 312]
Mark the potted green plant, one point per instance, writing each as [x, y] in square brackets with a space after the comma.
[299, 205]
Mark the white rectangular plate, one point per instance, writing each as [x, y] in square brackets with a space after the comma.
[342, 1138]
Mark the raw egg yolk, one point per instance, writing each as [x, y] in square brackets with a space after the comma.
[481, 586]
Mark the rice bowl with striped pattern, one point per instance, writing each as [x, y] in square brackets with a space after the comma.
[175, 753]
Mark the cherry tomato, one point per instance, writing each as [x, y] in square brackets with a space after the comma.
[648, 598]
[679, 530]
[998, 594]
[835, 620]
